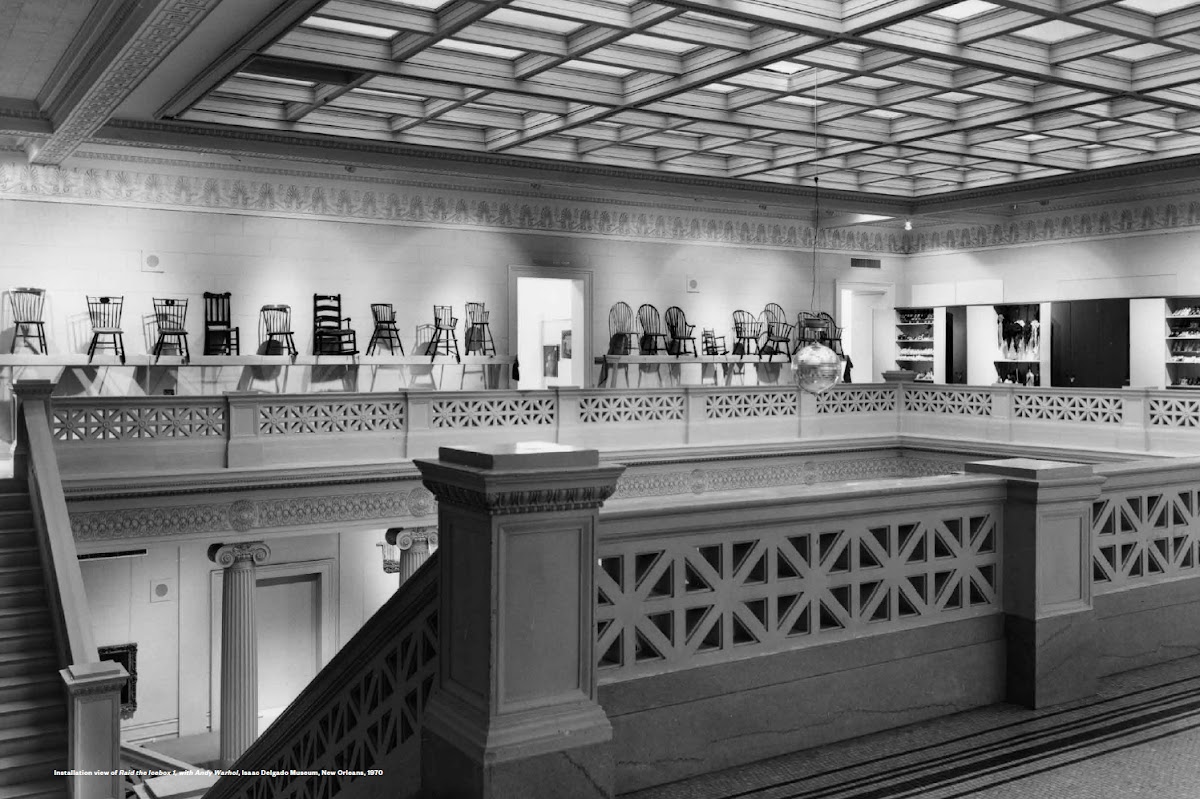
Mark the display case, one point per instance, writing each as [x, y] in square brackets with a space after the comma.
[1183, 342]
[1019, 344]
[915, 340]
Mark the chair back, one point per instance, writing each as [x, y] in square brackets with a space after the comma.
[745, 325]
[27, 304]
[327, 311]
[476, 314]
[424, 339]
[443, 317]
[216, 311]
[774, 313]
[384, 313]
[831, 327]
[620, 319]
[277, 318]
[649, 320]
[810, 327]
[170, 314]
[677, 322]
[105, 312]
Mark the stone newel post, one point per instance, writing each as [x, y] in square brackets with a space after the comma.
[516, 713]
[239, 646]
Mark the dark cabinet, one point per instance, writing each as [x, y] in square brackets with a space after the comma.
[1089, 343]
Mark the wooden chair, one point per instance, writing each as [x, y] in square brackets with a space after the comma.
[385, 328]
[276, 323]
[220, 337]
[680, 330]
[27, 305]
[620, 338]
[810, 329]
[779, 331]
[332, 334]
[479, 334]
[712, 343]
[747, 332]
[105, 316]
[652, 330]
[445, 336]
[833, 332]
[170, 315]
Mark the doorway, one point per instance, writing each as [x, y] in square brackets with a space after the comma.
[865, 312]
[956, 344]
[288, 619]
[552, 321]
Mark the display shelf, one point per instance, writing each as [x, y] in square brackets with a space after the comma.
[917, 346]
[1182, 336]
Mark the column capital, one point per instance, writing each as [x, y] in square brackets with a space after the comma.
[33, 389]
[226, 555]
[403, 538]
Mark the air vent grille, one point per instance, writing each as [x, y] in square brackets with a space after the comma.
[866, 263]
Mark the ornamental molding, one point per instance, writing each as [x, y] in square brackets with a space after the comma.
[537, 500]
[327, 198]
[243, 515]
[255, 553]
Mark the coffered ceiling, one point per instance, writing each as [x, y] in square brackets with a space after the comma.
[910, 100]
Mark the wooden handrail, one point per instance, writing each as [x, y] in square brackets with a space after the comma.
[64, 580]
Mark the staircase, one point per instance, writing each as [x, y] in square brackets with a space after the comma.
[33, 710]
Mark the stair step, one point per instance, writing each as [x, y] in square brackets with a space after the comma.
[53, 788]
[18, 536]
[20, 575]
[33, 662]
[22, 596]
[32, 712]
[39, 738]
[46, 685]
[31, 617]
[13, 516]
[30, 766]
[19, 554]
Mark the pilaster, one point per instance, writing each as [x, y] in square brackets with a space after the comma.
[516, 713]
[1050, 624]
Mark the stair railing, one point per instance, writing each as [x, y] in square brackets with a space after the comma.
[93, 686]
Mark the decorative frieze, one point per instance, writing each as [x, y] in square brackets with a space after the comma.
[523, 501]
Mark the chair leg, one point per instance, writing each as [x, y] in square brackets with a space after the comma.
[16, 333]
[119, 338]
[183, 345]
[42, 338]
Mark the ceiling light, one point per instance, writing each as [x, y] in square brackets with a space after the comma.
[908, 224]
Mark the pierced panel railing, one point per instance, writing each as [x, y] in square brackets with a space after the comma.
[948, 401]
[1051, 407]
[363, 711]
[602, 409]
[499, 412]
[751, 404]
[677, 602]
[1174, 412]
[1145, 535]
[77, 422]
[334, 416]
[865, 399]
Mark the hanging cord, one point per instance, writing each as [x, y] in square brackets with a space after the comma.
[812, 300]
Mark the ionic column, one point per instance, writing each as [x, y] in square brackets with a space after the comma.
[412, 548]
[239, 646]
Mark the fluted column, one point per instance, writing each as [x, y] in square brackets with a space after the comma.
[412, 547]
[239, 646]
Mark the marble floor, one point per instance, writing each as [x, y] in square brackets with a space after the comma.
[1140, 737]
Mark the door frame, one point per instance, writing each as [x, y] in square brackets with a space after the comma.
[326, 573]
[516, 271]
[888, 290]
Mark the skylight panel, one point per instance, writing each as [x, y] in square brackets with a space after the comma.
[883, 113]
[1155, 7]
[537, 22]
[867, 82]
[480, 49]
[795, 99]
[658, 43]
[964, 10]
[357, 28]
[603, 69]
[722, 21]
[1031, 137]
[723, 88]
[954, 97]
[1054, 31]
[1139, 52]
[786, 67]
[274, 79]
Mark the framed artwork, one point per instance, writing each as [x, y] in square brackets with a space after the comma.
[126, 655]
[550, 360]
[566, 345]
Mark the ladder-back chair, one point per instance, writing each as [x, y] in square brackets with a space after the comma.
[652, 330]
[332, 334]
[747, 331]
[27, 306]
[277, 327]
[220, 336]
[385, 328]
[779, 330]
[712, 343]
[105, 316]
[680, 330]
[170, 315]
[445, 335]
[479, 334]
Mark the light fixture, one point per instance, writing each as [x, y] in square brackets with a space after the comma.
[908, 224]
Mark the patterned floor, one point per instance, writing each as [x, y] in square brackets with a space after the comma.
[1139, 738]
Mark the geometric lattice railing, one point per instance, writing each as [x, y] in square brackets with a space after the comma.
[674, 602]
[340, 416]
[1174, 412]
[499, 412]
[88, 422]
[1069, 408]
[631, 408]
[751, 404]
[362, 711]
[866, 399]
[948, 401]
[1145, 535]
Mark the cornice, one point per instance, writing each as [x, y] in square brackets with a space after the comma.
[330, 199]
